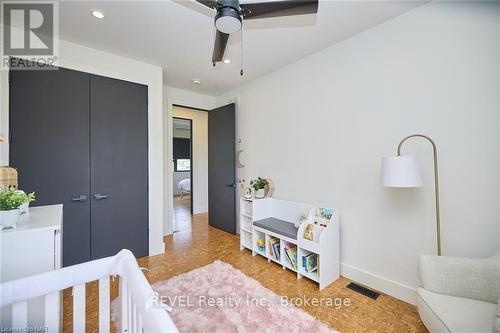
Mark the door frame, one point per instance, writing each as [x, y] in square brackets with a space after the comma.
[187, 102]
[191, 156]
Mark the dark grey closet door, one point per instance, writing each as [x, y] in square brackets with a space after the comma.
[49, 146]
[119, 167]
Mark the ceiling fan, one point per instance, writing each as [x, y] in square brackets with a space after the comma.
[230, 14]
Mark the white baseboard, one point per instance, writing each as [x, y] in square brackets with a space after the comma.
[389, 287]
[200, 210]
[157, 248]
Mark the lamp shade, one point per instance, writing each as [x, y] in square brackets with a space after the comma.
[401, 171]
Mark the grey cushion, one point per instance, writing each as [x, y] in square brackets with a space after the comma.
[280, 227]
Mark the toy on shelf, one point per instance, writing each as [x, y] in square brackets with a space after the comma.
[261, 245]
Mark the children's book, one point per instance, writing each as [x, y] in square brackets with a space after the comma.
[275, 248]
[291, 253]
[311, 262]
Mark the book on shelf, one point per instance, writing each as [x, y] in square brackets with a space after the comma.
[291, 254]
[310, 262]
[275, 248]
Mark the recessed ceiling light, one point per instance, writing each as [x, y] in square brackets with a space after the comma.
[97, 14]
[196, 81]
[227, 61]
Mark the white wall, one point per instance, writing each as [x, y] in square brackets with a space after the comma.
[89, 60]
[190, 99]
[320, 126]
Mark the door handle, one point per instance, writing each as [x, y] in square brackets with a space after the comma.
[80, 198]
[98, 196]
[231, 185]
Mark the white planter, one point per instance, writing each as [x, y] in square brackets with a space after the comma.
[24, 208]
[9, 218]
[260, 193]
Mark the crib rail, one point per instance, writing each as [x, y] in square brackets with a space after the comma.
[137, 312]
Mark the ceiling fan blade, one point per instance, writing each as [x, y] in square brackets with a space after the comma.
[219, 46]
[278, 8]
[209, 3]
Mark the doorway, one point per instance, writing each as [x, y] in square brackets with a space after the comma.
[182, 148]
[211, 168]
[189, 168]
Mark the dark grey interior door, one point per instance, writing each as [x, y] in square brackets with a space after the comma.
[49, 146]
[119, 167]
[221, 168]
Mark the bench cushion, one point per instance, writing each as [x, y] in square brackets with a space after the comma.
[278, 226]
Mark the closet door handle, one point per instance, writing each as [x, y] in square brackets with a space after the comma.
[98, 196]
[80, 198]
[231, 185]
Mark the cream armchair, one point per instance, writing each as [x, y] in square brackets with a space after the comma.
[459, 294]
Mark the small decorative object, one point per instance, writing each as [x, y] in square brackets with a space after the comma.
[308, 232]
[10, 202]
[261, 245]
[239, 165]
[326, 213]
[269, 187]
[8, 177]
[248, 193]
[259, 186]
[301, 220]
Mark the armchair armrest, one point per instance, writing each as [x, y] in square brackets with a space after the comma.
[469, 278]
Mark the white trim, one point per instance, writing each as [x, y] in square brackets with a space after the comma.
[379, 283]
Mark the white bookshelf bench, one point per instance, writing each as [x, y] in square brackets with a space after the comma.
[268, 218]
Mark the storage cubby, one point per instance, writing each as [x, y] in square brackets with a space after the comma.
[246, 239]
[289, 255]
[308, 264]
[246, 223]
[246, 206]
[257, 236]
[274, 249]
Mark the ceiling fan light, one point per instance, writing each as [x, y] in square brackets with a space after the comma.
[228, 20]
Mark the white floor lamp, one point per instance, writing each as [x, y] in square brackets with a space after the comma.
[403, 171]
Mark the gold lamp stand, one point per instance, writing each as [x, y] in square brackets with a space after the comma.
[403, 171]
[436, 183]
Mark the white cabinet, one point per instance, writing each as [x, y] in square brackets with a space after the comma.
[33, 247]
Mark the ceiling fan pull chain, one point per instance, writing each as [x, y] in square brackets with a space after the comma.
[241, 51]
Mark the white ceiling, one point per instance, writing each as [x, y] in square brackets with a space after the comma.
[178, 36]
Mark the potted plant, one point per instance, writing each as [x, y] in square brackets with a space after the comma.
[24, 208]
[259, 186]
[10, 201]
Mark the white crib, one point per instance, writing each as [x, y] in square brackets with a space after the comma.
[138, 313]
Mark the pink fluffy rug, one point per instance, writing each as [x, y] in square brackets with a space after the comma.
[220, 298]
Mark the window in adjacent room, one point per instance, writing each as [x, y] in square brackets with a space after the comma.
[182, 154]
